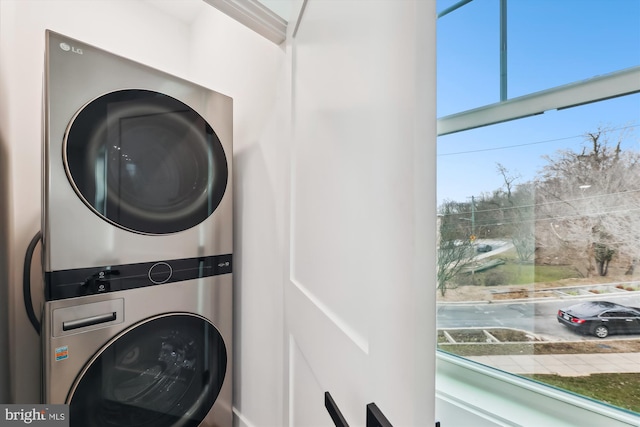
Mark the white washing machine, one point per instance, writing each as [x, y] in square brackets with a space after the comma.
[137, 243]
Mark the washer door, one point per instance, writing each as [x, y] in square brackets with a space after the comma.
[167, 371]
[145, 162]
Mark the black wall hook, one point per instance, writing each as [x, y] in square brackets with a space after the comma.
[334, 412]
[375, 417]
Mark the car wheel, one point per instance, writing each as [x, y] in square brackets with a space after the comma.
[601, 331]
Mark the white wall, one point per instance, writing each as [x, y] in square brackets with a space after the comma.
[4, 261]
[208, 48]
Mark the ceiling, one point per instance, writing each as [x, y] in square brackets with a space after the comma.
[185, 10]
[188, 10]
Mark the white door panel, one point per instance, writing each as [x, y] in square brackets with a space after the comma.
[304, 389]
[359, 279]
[323, 357]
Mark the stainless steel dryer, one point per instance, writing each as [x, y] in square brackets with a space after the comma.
[137, 243]
[137, 162]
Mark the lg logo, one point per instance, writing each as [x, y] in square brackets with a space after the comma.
[67, 48]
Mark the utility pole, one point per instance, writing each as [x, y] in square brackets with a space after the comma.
[473, 216]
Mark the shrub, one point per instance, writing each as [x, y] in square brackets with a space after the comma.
[495, 278]
[466, 280]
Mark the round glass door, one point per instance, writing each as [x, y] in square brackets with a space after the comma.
[145, 162]
[165, 372]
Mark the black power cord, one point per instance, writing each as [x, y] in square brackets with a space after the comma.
[26, 282]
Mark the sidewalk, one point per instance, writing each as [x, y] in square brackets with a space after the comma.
[567, 365]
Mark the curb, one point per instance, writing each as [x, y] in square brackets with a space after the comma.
[545, 299]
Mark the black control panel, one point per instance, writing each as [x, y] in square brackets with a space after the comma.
[97, 280]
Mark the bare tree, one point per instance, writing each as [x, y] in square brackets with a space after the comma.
[588, 203]
[519, 213]
[508, 179]
[523, 227]
[455, 250]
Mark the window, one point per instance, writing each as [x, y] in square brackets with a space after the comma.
[539, 188]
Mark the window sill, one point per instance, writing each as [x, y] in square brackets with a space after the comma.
[467, 391]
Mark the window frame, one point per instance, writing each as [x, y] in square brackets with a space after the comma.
[502, 398]
[499, 397]
[612, 85]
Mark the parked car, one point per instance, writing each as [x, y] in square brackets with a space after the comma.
[484, 248]
[601, 318]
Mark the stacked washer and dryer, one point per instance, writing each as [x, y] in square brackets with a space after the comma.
[137, 243]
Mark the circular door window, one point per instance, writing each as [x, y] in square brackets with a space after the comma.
[145, 162]
[165, 372]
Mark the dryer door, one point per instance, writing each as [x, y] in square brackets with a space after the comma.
[145, 162]
[166, 371]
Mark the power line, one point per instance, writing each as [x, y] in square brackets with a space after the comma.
[504, 147]
[550, 203]
[500, 222]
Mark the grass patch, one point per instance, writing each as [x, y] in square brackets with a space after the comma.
[511, 335]
[553, 273]
[512, 272]
[502, 349]
[563, 347]
[519, 274]
[615, 389]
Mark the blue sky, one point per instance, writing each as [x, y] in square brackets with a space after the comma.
[550, 43]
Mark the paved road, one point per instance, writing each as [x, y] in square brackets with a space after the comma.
[497, 245]
[538, 317]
